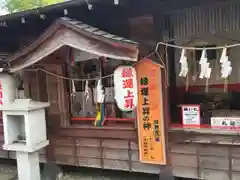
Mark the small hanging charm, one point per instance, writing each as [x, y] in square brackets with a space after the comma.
[226, 68]
[100, 107]
[205, 68]
[204, 65]
[183, 64]
[87, 91]
[73, 89]
[100, 92]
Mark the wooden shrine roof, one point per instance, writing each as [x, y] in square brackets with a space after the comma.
[78, 35]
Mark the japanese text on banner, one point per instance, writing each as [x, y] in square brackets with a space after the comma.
[150, 117]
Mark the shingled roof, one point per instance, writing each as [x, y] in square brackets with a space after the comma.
[75, 31]
[93, 30]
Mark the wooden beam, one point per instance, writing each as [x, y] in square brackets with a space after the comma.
[103, 133]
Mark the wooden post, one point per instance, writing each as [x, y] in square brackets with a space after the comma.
[159, 20]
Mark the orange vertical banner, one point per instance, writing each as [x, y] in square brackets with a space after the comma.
[151, 135]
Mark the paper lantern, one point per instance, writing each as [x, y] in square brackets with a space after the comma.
[125, 87]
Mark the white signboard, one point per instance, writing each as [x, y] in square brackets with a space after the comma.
[125, 88]
[225, 122]
[191, 115]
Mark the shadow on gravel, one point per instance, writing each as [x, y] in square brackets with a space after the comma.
[99, 174]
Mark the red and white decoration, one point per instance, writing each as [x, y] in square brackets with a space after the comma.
[225, 123]
[125, 87]
[191, 116]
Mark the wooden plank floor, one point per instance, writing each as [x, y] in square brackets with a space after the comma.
[205, 156]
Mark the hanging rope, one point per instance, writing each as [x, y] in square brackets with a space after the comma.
[73, 89]
[107, 76]
[197, 48]
[67, 78]
[163, 65]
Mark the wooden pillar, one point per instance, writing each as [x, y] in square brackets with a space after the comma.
[159, 26]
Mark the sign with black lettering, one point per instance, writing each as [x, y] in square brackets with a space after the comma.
[225, 122]
[191, 115]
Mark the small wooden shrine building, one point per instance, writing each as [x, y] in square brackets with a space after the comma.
[70, 49]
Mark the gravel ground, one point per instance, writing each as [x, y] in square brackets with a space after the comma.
[9, 172]
[97, 174]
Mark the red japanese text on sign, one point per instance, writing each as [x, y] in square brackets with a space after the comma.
[129, 100]
[128, 83]
[127, 72]
[125, 85]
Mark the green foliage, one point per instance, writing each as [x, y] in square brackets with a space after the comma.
[21, 5]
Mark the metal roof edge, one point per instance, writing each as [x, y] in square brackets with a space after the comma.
[44, 9]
